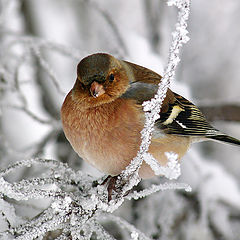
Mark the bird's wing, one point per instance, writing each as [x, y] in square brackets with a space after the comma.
[142, 74]
[178, 115]
[184, 118]
[140, 92]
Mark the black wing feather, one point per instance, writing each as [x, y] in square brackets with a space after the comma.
[189, 121]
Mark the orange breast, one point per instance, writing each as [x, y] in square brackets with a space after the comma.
[107, 136]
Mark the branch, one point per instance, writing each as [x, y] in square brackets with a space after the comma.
[152, 107]
[125, 225]
[75, 203]
[113, 26]
[224, 112]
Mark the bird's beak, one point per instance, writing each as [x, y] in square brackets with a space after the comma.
[96, 89]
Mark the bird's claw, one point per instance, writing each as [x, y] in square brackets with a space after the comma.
[112, 186]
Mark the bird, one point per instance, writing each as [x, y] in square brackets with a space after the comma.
[102, 116]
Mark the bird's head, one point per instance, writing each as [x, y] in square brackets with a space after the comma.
[102, 77]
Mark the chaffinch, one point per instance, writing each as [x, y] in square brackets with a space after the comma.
[102, 116]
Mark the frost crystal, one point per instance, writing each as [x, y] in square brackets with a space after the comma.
[173, 170]
[62, 205]
[134, 236]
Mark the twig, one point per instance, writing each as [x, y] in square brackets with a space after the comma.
[113, 26]
[124, 224]
[224, 112]
[152, 107]
[156, 188]
[44, 64]
[30, 113]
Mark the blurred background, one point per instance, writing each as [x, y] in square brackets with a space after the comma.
[41, 43]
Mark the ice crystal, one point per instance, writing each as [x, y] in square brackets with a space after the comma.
[62, 204]
[134, 236]
[171, 170]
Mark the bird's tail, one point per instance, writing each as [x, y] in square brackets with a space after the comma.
[225, 138]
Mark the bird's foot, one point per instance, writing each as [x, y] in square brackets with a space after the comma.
[112, 186]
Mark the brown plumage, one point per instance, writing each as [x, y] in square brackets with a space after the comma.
[102, 116]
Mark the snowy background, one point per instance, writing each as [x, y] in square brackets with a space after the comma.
[41, 43]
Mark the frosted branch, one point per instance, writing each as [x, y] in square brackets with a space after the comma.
[25, 109]
[156, 188]
[68, 191]
[171, 171]
[125, 225]
[123, 50]
[43, 44]
[53, 164]
[75, 204]
[45, 65]
[152, 107]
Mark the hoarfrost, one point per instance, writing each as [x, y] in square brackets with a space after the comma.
[153, 106]
[171, 171]
[134, 236]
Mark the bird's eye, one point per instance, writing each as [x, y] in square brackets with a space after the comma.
[111, 77]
